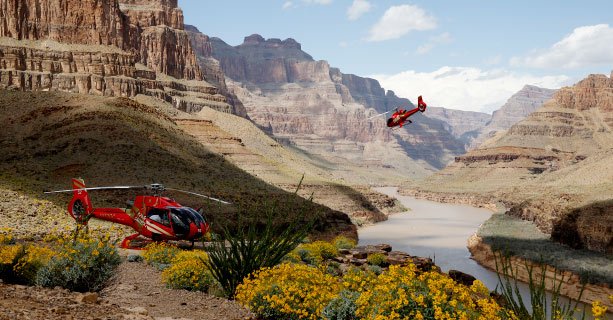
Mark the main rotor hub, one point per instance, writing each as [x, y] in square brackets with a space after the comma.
[158, 188]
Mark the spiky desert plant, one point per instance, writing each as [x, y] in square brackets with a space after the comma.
[542, 307]
[248, 249]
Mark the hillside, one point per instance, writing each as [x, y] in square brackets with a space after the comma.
[556, 161]
[49, 137]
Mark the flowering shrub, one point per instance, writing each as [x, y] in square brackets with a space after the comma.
[598, 310]
[401, 294]
[28, 265]
[6, 236]
[160, 254]
[342, 242]
[316, 252]
[189, 272]
[342, 307]
[358, 280]
[83, 264]
[9, 256]
[288, 291]
[376, 259]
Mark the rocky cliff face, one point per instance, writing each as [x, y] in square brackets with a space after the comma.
[110, 47]
[556, 160]
[464, 125]
[308, 104]
[517, 108]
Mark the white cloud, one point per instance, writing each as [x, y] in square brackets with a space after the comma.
[324, 2]
[464, 88]
[287, 5]
[397, 21]
[343, 44]
[442, 38]
[585, 46]
[357, 9]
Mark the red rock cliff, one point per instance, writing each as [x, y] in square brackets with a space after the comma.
[103, 47]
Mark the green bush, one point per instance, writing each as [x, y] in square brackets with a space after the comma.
[188, 274]
[377, 259]
[85, 264]
[342, 307]
[342, 242]
[160, 254]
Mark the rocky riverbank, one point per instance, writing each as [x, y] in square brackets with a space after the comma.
[570, 287]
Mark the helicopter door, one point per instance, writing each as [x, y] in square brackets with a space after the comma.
[180, 223]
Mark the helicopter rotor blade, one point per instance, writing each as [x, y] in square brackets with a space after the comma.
[98, 188]
[380, 114]
[198, 194]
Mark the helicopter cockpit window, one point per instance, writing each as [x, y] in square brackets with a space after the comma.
[180, 221]
[159, 215]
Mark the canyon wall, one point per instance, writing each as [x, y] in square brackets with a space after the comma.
[310, 105]
[110, 48]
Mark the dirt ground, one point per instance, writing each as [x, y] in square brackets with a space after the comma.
[137, 293]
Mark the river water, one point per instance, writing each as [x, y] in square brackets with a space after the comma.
[436, 230]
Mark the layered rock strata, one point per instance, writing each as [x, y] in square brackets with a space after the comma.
[517, 108]
[110, 48]
[312, 106]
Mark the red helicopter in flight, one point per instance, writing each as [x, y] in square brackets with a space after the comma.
[152, 216]
[400, 116]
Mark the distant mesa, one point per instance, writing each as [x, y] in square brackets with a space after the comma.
[256, 40]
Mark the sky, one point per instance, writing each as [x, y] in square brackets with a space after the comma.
[469, 55]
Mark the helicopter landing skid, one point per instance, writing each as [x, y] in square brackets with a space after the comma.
[128, 242]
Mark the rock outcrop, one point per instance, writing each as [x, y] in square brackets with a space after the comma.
[110, 48]
[464, 125]
[312, 106]
[517, 108]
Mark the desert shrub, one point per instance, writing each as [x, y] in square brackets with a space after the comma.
[316, 252]
[160, 254]
[375, 269]
[250, 248]
[400, 293]
[34, 258]
[187, 255]
[188, 272]
[342, 242]
[84, 264]
[9, 257]
[342, 307]
[358, 280]
[376, 259]
[288, 291]
[6, 236]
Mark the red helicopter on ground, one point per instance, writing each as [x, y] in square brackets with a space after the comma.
[400, 116]
[155, 217]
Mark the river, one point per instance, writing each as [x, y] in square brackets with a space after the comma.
[436, 230]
